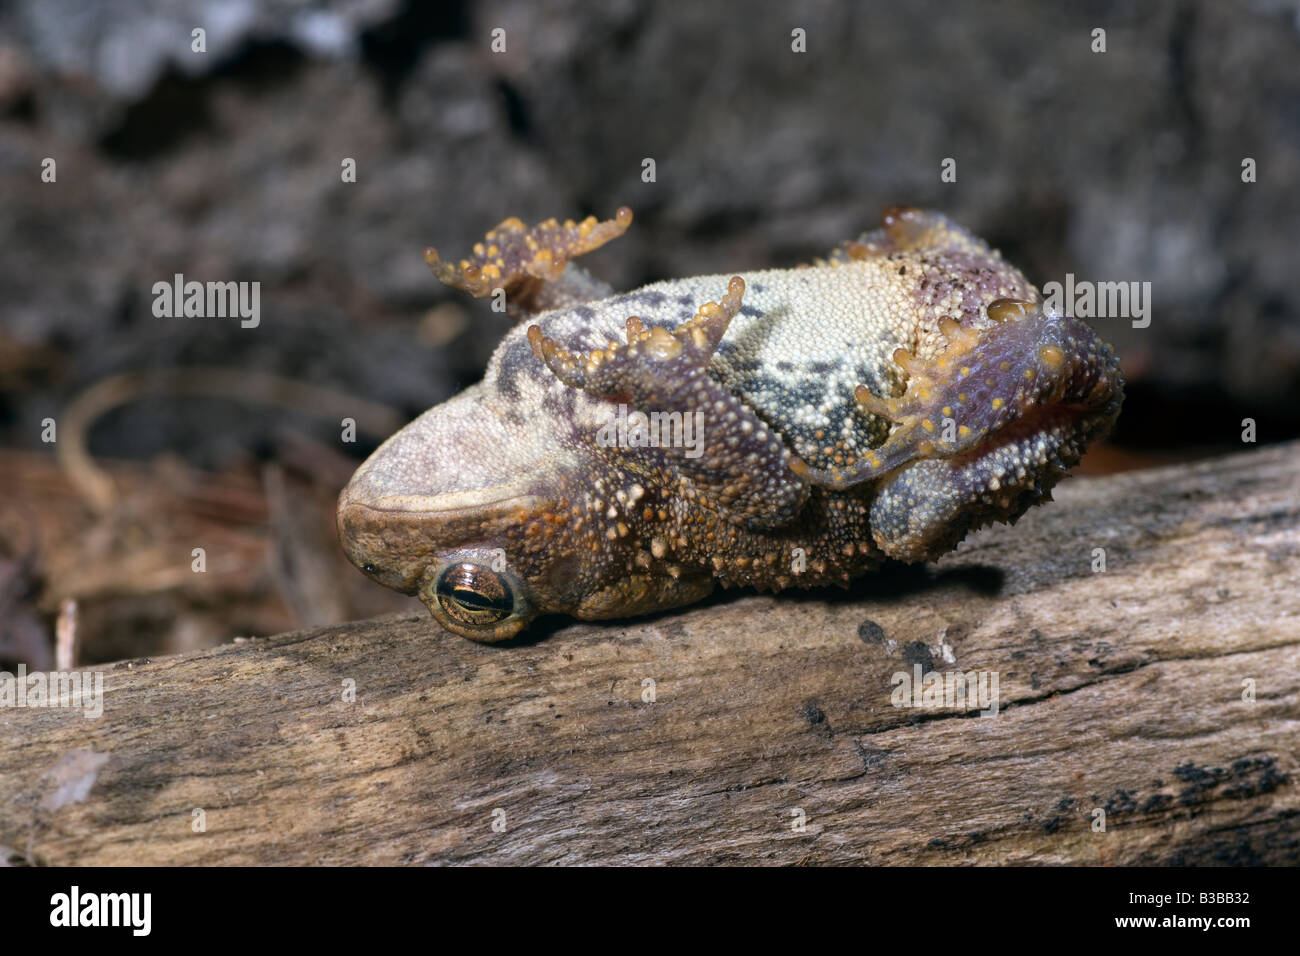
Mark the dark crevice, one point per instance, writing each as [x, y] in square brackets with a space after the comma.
[21, 108]
[262, 66]
[1166, 416]
[518, 115]
[175, 108]
[1182, 75]
[392, 49]
[179, 106]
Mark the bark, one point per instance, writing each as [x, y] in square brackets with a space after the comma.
[1161, 695]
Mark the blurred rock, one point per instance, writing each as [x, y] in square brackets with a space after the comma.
[1116, 166]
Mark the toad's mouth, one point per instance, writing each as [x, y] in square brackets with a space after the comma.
[394, 539]
[449, 505]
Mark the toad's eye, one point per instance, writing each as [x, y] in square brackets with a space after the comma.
[474, 595]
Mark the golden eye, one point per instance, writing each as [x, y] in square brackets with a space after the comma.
[474, 595]
[1000, 310]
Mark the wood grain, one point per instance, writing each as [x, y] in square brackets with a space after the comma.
[1119, 690]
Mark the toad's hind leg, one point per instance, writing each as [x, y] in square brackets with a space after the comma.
[985, 429]
[733, 463]
[529, 264]
[923, 510]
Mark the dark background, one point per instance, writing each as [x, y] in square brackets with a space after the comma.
[1119, 166]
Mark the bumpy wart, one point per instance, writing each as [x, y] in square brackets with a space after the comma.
[789, 427]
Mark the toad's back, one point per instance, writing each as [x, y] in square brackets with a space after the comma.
[805, 339]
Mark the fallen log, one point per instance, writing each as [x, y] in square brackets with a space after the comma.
[1145, 713]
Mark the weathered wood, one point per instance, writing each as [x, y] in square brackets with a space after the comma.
[1120, 690]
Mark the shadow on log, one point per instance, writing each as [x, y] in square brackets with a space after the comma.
[1160, 697]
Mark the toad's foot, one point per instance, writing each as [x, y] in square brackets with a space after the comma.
[529, 264]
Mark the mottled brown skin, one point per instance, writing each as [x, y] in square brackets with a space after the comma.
[878, 404]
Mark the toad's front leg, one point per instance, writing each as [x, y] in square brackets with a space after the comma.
[985, 429]
[739, 468]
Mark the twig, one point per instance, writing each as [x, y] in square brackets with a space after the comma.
[234, 384]
[66, 645]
